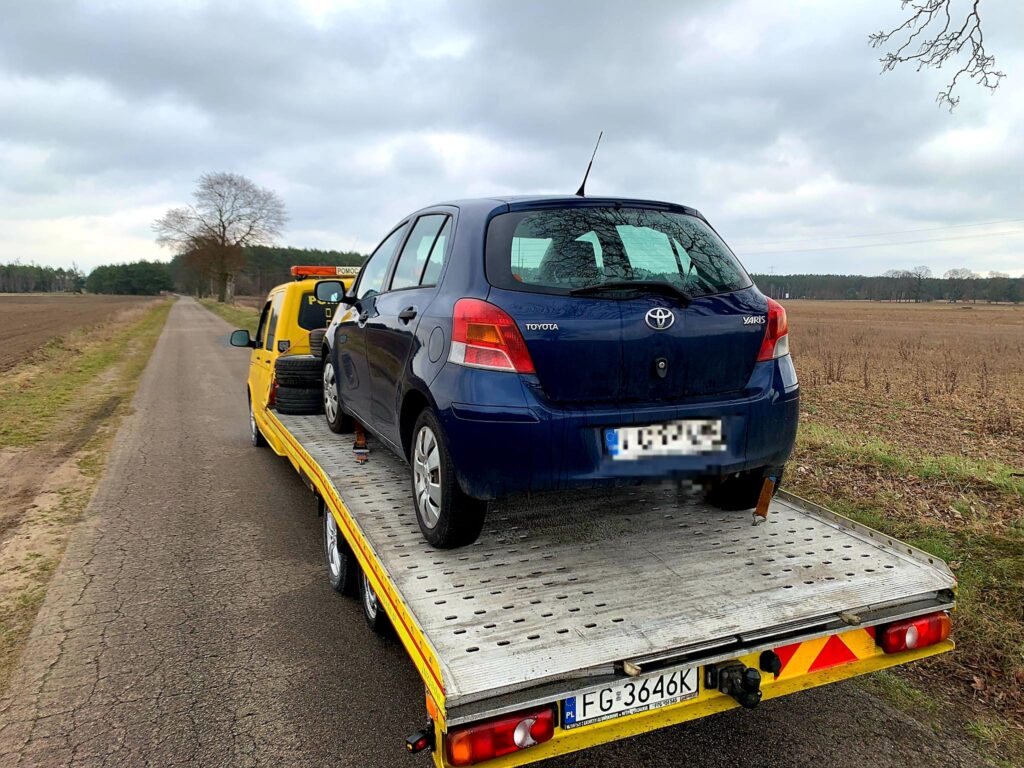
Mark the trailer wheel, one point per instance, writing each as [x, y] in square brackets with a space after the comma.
[447, 516]
[376, 618]
[341, 565]
[255, 436]
[337, 419]
[739, 492]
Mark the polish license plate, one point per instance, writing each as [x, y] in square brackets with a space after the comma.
[686, 437]
[638, 694]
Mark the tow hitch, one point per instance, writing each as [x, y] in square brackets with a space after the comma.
[734, 679]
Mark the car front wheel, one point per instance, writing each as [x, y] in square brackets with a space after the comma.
[447, 516]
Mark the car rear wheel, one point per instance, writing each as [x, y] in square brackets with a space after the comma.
[342, 570]
[375, 616]
[337, 419]
[446, 515]
[740, 491]
[255, 436]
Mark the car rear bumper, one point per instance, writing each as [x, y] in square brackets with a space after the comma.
[518, 442]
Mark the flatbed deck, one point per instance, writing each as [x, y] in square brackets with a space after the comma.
[562, 591]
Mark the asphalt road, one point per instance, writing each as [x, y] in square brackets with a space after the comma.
[190, 622]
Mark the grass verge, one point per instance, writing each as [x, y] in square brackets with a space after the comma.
[238, 316]
[918, 499]
[57, 420]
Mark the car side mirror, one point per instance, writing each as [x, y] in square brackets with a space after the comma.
[330, 290]
[242, 339]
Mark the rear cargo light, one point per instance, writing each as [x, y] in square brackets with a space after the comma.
[776, 333]
[484, 336]
[915, 633]
[485, 741]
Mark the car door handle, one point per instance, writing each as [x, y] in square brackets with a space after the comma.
[407, 314]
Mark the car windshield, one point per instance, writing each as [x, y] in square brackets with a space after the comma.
[565, 250]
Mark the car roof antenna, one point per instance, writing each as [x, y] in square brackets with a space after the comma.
[581, 192]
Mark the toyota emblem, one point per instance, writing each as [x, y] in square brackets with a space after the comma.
[660, 319]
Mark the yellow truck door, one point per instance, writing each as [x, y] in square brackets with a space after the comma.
[261, 365]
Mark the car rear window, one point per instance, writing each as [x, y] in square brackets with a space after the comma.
[314, 313]
[559, 250]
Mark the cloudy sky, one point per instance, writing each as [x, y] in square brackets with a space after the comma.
[771, 118]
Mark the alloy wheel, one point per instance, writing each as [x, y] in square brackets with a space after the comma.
[426, 467]
[330, 392]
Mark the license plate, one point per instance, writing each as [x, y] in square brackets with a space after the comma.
[628, 697]
[687, 437]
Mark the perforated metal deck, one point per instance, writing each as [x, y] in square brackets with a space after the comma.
[557, 588]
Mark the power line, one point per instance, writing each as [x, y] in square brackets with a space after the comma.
[881, 234]
[882, 245]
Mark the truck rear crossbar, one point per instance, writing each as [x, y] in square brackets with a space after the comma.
[571, 590]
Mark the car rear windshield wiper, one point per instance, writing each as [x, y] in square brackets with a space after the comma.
[657, 286]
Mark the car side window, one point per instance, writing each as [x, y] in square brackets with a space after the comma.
[261, 329]
[375, 270]
[435, 262]
[418, 250]
[275, 312]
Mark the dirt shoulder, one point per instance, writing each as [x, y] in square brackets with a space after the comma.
[60, 410]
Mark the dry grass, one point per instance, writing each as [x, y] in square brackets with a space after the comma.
[913, 421]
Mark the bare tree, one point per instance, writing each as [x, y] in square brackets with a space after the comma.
[931, 38]
[958, 282]
[230, 212]
[919, 275]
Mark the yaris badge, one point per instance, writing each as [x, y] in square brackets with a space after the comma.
[659, 318]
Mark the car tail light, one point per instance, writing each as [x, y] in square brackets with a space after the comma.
[915, 633]
[776, 333]
[272, 398]
[484, 336]
[484, 741]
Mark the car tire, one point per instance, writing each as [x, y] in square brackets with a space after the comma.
[740, 491]
[297, 371]
[376, 618]
[316, 341]
[447, 516]
[298, 401]
[342, 570]
[255, 436]
[338, 421]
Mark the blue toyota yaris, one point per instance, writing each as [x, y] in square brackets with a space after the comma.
[528, 344]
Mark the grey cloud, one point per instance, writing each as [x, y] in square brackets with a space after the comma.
[774, 121]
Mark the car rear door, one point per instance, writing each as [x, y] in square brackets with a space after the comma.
[391, 330]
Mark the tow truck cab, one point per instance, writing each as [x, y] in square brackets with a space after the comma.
[290, 312]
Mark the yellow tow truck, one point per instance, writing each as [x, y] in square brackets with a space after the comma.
[291, 313]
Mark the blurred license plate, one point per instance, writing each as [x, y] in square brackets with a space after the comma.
[629, 697]
[687, 437]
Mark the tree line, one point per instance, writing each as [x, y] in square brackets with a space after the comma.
[30, 278]
[139, 278]
[914, 285]
[262, 267]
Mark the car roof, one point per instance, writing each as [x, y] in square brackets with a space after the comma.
[525, 202]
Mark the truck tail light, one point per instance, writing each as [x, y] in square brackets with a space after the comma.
[484, 336]
[494, 738]
[776, 333]
[915, 633]
[272, 398]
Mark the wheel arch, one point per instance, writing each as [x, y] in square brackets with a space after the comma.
[413, 403]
